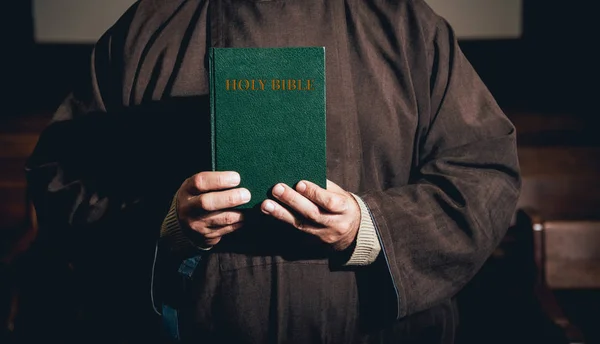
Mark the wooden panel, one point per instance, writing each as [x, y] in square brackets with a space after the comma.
[562, 197]
[12, 173]
[17, 145]
[12, 207]
[560, 160]
[558, 129]
[561, 182]
[573, 240]
[18, 137]
[30, 123]
[573, 254]
[573, 274]
[531, 123]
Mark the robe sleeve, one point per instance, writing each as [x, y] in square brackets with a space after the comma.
[84, 179]
[437, 231]
[90, 173]
[73, 174]
[59, 178]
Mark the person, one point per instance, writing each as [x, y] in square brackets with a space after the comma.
[421, 162]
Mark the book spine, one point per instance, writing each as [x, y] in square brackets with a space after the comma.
[211, 85]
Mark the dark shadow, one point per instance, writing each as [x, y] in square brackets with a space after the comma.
[96, 239]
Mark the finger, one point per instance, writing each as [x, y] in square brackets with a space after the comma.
[276, 210]
[201, 228]
[331, 186]
[211, 242]
[217, 233]
[330, 201]
[219, 200]
[212, 181]
[298, 203]
[223, 218]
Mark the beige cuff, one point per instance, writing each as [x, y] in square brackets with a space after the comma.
[173, 235]
[367, 243]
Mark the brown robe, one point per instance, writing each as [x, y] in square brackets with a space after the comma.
[411, 129]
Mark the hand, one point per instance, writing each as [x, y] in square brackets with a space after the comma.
[332, 215]
[204, 201]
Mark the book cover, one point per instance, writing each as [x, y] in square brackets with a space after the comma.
[268, 116]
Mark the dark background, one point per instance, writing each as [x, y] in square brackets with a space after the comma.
[549, 69]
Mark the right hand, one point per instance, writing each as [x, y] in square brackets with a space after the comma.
[204, 203]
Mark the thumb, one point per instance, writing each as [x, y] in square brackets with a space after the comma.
[331, 186]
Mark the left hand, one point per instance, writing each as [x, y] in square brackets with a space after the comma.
[330, 214]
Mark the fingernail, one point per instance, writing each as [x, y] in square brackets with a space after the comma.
[233, 179]
[269, 207]
[301, 186]
[278, 190]
[245, 194]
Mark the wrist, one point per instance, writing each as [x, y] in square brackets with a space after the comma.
[178, 235]
[349, 241]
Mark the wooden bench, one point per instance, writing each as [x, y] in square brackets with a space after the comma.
[561, 198]
[18, 137]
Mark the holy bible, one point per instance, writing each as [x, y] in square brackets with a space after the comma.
[268, 117]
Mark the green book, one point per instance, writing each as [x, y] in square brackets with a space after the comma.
[268, 116]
